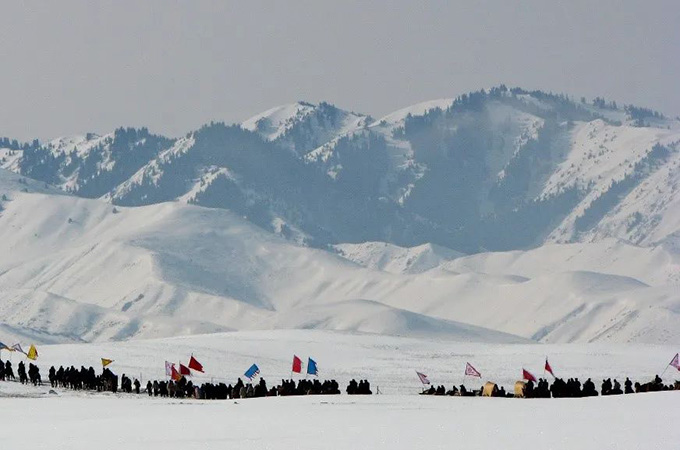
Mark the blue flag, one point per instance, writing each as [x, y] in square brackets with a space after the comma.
[252, 372]
[311, 367]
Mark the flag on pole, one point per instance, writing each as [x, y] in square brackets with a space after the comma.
[297, 364]
[32, 353]
[252, 372]
[106, 362]
[548, 368]
[184, 370]
[676, 361]
[312, 369]
[176, 376]
[471, 371]
[195, 365]
[423, 378]
[17, 348]
[527, 375]
[169, 368]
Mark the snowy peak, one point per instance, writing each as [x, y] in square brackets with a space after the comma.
[499, 169]
[397, 118]
[303, 126]
[274, 122]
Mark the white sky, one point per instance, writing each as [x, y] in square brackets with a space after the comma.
[75, 66]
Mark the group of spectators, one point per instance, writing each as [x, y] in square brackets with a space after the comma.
[220, 391]
[107, 381]
[25, 377]
[558, 389]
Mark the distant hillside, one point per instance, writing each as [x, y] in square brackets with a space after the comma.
[493, 170]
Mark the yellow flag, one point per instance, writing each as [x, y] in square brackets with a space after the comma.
[106, 362]
[32, 353]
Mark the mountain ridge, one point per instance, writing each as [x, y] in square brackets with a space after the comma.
[502, 169]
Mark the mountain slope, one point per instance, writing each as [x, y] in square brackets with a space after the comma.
[502, 169]
[80, 269]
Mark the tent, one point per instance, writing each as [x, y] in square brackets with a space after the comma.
[519, 389]
[490, 389]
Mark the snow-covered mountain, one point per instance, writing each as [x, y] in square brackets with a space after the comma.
[76, 269]
[563, 218]
[502, 169]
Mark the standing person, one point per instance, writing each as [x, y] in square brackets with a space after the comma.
[137, 385]
[149, 388]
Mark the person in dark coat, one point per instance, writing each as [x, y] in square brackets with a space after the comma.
[628, 386]
[9, 372]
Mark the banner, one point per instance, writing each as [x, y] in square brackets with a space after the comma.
[32, 353]
[106, 362]
[297, 364]
[471, 371]
[528, 376]
[195, 365]
[311, 367]
[252, 372]
[548, 368]
[423, 378]
[184, 370]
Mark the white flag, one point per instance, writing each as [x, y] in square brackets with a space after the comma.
[471, 371]
[168, 368]
[423, 378]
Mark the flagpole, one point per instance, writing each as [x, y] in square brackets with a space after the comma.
[544, 371]
[667, 365]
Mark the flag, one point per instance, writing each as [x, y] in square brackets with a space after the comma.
[184, 370]
[527, 375]
[471, 371]
[676, 361]
[423, 378]
[548, 368]
[106, 362]
[297, 364]
[311, 367]
[195, 365]
[32, 353]
[174, 374]
[168, 368]
[17, 348]
[252, 372]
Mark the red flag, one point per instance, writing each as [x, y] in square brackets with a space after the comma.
[548, 368]
[174, 374]
[528, 376]
[297, 364]
[195, 365]
[471, 371]
[184, 370]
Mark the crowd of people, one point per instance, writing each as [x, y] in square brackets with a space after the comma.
[107, 381]
[220, 391]
[87, 379]
[559, 388]
[25, 377]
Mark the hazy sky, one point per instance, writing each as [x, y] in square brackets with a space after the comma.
[70, 67]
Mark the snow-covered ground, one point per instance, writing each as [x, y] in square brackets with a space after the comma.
[397, 419]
